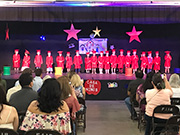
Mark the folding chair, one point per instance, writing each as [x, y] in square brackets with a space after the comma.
[21, 116]
[172, 125]
[162, 109]
[6, 131]
[141, 121]
[81, 115]
[42, 132]
[135, 110]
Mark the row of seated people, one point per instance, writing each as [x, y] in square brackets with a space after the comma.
[157, 90]
[52, 107]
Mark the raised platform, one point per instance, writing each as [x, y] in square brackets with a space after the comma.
[119, 92]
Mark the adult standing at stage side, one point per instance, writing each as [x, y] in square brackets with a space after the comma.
[131, 91]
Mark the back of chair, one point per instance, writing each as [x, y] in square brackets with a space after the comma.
[172, 125]
[175, 101]
[81, 101]
[143, 101]
[166, 109]
[174, 120]
[42, 132]
[6, 131]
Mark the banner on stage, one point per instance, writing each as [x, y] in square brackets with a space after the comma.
[92, 87]
[88, 45]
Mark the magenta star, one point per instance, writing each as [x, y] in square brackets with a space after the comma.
[72, 33]
[134, 35]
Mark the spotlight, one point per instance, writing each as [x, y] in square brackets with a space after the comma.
[42, 37]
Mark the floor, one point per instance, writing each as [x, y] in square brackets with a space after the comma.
[109, 118]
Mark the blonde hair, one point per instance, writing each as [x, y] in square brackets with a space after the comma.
[46, 77]
[174, 81]
[65, 87]
[76, 80]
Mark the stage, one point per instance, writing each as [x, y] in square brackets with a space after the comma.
[107, 91]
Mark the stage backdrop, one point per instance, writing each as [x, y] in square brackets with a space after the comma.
[25, 35]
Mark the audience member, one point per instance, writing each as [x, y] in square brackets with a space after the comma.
[2, 81]
[140, 93]
[174, 81]
[70, 74]
[17, 86]
[21, 99]
[159, 95]
[46, 77]
[9, 117]
[77, 84]
[37, 82]
[49, 111]
[131, 91]
[67, 95]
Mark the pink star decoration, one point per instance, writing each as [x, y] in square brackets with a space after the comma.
[134, 35]
[72, 33]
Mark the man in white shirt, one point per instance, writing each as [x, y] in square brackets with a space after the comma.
[37, 82]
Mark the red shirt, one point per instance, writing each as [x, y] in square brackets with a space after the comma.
[87, 63]
[16, 61]
[60, 61]
[26, 61]
[101, 61]
[49, 61]
[38, 61]
[68, 62]
[77, 61]
[120, 61]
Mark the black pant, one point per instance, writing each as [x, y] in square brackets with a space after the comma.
[149, 125]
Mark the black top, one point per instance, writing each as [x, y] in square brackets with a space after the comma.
[132, 87]
[22, 99]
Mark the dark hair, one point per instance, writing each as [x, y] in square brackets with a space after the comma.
[38, 72]
[139, 73]
[27, 70]
[148, 82]
[0, 71]
[65, 87]
[158, 81]
[2, 97]
[49, 97]
[25, 79]
[70, 74]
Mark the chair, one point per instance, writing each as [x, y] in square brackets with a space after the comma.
[162, 109]
[42, 132]
[141, 121]
[175, 101]
[81, 115]
[6, 131]
[172, 125]
[134, 109]
[21, 116]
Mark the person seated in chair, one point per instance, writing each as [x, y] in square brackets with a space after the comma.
[8, 114]
[21, 99]
[159, 95]
[131, 91]
[49, 111]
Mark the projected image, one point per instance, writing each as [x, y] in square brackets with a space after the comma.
[96, 44]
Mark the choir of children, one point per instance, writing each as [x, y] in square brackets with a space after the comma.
[92, 63]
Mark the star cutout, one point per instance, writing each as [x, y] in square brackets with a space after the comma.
[96, 32]
[134, 35]
[72, 33]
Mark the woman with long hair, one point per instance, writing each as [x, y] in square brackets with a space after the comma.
[8, 114]
[49, 111]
